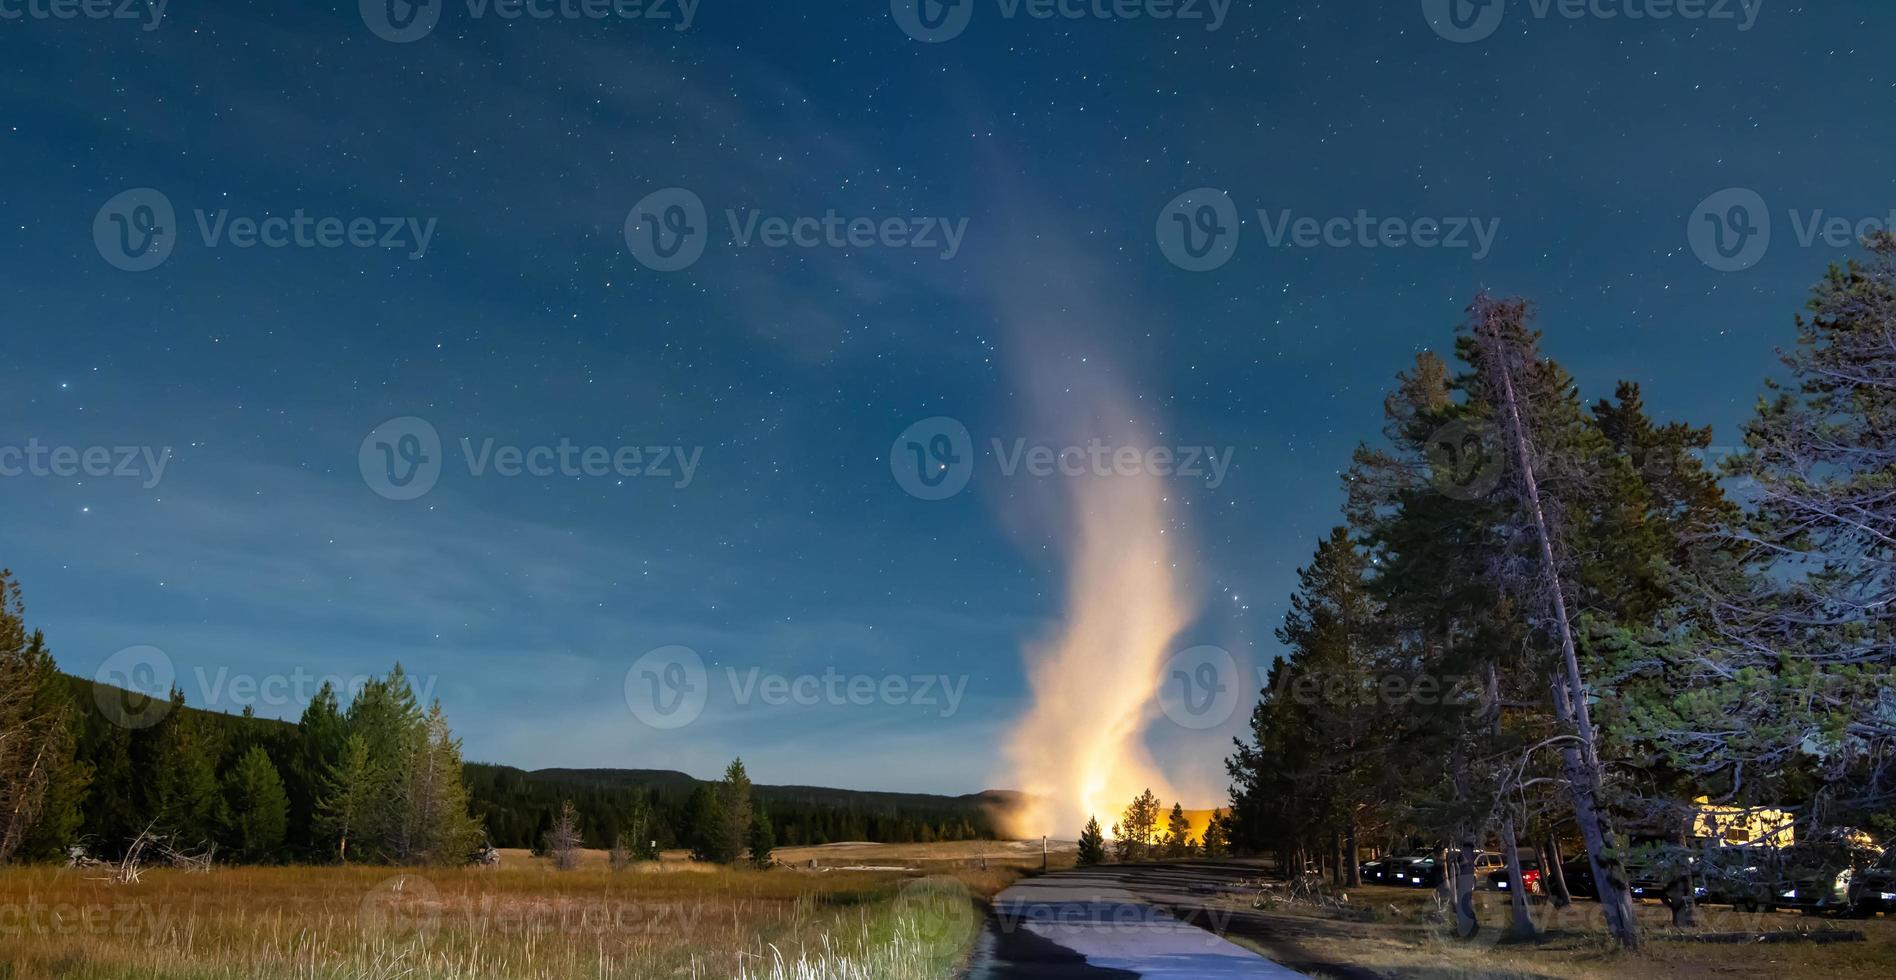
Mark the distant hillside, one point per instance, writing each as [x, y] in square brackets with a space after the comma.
[516, 804]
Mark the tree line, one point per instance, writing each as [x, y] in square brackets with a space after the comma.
[380, 779]
[1552, 622]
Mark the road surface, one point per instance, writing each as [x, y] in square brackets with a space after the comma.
[1103, 924]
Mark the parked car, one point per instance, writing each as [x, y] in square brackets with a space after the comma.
[1429, 871]
[1818, 876]
[1382, 870]
[1873, 889]
[1501, 881]
[1578, 873]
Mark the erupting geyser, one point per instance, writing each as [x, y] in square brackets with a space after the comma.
[1080, 751]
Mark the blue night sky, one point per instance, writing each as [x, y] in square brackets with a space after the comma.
[522, 601]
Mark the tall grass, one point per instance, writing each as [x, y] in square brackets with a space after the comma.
[525, 924]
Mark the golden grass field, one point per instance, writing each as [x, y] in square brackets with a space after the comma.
[523, 920]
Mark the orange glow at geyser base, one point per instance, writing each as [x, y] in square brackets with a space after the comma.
[1079, 752]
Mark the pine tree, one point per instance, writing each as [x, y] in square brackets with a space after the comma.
[736, 806]
[439, 829]
[563, 841]
[705, 818]
[1214, 842]
[763, 839]
[1788, 652]
[185, 803]
[314, 751]
[1092, 844]
[41, 782]
[1178, 834]
[256, 809]
[345, 797]
[1138, 829]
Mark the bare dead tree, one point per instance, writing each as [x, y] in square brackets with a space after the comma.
[1497, 325]
[563, 840]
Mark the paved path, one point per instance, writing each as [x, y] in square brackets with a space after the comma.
[1090, 925]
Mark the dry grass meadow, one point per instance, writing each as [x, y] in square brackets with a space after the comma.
[911, 913]
[1399, 933]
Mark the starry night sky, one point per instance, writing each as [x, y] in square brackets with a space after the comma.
[793, 549]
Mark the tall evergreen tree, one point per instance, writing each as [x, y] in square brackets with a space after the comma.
[1092, 844]
[185, 803]
[41, 782]
[762, 839]
[255, 806]
[1788, 652]
[345, 797]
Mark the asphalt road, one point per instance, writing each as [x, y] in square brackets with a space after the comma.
[1115, 922]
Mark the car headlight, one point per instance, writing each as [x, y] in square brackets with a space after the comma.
[1700, 891]
[1789, 894]
[1888, 896]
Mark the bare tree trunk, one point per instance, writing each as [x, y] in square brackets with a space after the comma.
[1553, 877]
[1353, 871]
[1336, 856]
[1523, 927]
[1580, 761]
[1467, 922]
